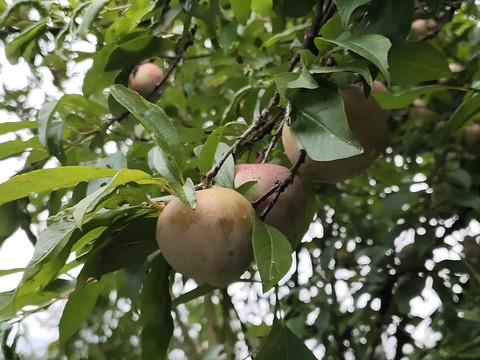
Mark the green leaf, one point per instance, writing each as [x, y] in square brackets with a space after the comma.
[200, 290]
[96, 79]
[463, 114]
[357, 66]
[226, 174]
[156, 122]
[390, 18]
[262, 7]
[283, 344]
[297, 9]
[90, 16]
[206, 157]
[18, 47]
[372, 47]
[416, 62]
[122, 177]
[129, 246]
[319, 124]
[389, 100]
[9, 220]
[285, 34]
[273, 254]
[42, 180]
[155, 307]
[241, 10]
[347, 7]
[17, 147]
[9, 126]
[79, 306]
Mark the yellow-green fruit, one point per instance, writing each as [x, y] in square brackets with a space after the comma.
[471, 138]
[211, 243]
[367, 121]
[144, 78]
[288, 212]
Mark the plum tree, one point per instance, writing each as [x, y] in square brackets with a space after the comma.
[289, 210]
[368, 122]
[144, 78]
[211, 243]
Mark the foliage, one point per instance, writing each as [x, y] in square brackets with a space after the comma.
[101, 162]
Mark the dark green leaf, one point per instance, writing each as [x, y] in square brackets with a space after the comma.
[463, 114]
[199, 291]
[372, 47]
[297, 9]
[283, 344]
[155, 305]
[79, 306]
[18, 46]
[347, 7]
[156, 122]
[416, 62]
[319, 125]
[90, 16]
[273, 254]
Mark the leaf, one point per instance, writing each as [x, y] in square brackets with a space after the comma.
[199, 291]
[372, 47]
[18, 47]
[122, 177]
[226, 174]
[463, 114]
[77, 309]
[206, 157]
[388, 100]
[128, 246]
[319, 124]
[273, 254]
[17, 147]
[156, 122]
[357, 66]
[38, 181]
[283, 344]
[284, 34]
[297, 9]
[155, 307]
[9, 126]
[416, 62]
[347, 7]
[90, 16]
[390, 18]
[241, 10]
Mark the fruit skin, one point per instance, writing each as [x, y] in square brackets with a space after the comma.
[471, 139]
[144, 78]
[211, 243]
[288, 212]
[367, 121]
[422, 28]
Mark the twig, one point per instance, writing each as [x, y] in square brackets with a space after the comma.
[284, 184]
[274, 140]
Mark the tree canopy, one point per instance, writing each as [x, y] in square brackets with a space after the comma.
[100, 162]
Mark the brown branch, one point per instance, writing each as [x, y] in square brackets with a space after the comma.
[273, 142]
[260, 125]
[284, 184]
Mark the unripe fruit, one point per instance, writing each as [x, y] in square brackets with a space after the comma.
[367, 121]
[144, 78]
[288, 212]
[211, 243]
[471, 138]
[422, 28]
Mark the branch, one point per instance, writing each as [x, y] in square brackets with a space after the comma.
[284, 184]
[260, 126]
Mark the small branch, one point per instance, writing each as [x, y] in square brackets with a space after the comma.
[284, 184]
[274, 140]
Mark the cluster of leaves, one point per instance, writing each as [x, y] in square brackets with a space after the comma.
[234, 69]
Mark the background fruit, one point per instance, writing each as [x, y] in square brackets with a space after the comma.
[368, 122]
[289, 210]
[144, 78]
[471, 138]
[211, 243]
